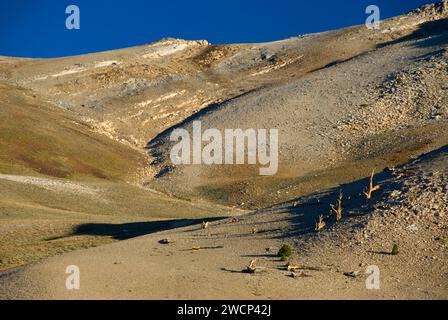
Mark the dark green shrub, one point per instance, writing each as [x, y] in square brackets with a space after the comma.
[284, 258]
[285, 252]
[394, 250]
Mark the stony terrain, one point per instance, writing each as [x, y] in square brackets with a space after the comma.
[409, 210]
[326, 123]
[84, 161]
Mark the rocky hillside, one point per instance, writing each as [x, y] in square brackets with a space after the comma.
[408, 212]
[386, 103]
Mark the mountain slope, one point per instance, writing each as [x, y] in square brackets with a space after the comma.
[374, 110]
[209, 263]
[74, 172]
[39, 138]
[57, 175]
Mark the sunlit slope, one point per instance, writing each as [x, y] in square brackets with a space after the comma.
[36, 138]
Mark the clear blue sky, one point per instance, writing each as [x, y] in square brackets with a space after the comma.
[36, 28]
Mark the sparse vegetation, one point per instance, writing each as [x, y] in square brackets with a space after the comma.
[285, 252]
[85, 160]
[372, 188]
[395, 250]
[64, 149]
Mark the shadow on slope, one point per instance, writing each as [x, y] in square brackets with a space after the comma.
[303, 216]
[431, 33]
[131, 230]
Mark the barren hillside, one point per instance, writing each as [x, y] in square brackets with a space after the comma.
[409, 210]
[85, 161]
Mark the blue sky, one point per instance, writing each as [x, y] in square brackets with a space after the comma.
[36, 28]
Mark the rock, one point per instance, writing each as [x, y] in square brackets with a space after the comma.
[165, 241]
[351, 274]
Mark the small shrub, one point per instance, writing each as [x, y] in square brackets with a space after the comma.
[394, 250]
[285, 252]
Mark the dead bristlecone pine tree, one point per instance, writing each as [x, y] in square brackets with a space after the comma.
[372, 188]
[320, 224]
[338, 209]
